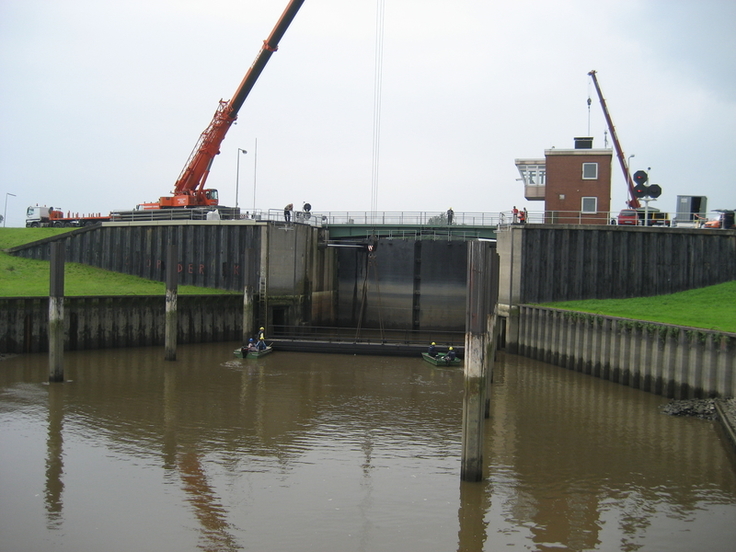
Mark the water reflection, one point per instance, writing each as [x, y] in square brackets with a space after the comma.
[575, 456]
[215, 529]
[322, 452]
[54, 458]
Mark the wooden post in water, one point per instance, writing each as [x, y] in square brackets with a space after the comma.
[56, 312]
[474, 402]
[172, 320]
[248, 309]
[491, 280]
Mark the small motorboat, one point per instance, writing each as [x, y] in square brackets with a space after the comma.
[252, 354]
[440, 360]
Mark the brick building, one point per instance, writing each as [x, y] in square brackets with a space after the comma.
[575, 184]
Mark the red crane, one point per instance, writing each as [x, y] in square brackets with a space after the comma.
[189, 190]
[633, 202]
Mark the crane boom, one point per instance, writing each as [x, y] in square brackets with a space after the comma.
[633, 201]
[189, 188]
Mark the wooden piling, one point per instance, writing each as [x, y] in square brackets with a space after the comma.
[171, 303]
[475, 406]
[56, 312]
[491, 281]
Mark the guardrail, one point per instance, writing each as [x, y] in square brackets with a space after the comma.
[439, 218]
[384, 218]
[334, 334]
[434, 219]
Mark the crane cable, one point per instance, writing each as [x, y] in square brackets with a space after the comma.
[377, 86]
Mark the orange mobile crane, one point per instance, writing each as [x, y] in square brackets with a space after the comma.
[635, 214]
[189, 190]
[633, 202]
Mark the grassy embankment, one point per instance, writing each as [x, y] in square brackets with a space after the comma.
[21, 277]
[710, 308]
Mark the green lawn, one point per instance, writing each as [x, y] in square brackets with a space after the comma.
[711, 308]
[21, 277]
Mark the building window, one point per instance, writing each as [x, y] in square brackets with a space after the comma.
[590, 205]
[590, 171]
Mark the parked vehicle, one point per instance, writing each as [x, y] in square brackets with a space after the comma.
[48, 216]
[643, 217]
[725, 220]
[628, 217]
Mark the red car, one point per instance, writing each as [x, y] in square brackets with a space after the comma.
[628, 217]
[634, 217]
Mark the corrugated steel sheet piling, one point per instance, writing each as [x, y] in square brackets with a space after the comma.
[56, 312]
[480, 302]
[248, 308]
[172, 293]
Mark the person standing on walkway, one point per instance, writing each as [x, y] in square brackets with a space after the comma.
[287, 212]
[450, 214]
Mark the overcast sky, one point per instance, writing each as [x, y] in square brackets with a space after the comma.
[102, 102]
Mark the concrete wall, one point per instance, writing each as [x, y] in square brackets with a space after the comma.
[109, 322]
[673, 361]
[543, 263]
[295, 278]
[282, 264]
[210, 253]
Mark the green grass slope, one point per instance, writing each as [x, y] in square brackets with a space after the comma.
[21, 277]
[710, 308]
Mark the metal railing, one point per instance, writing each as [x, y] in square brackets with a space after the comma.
[332, 334]
[384, 218]
[422, 219]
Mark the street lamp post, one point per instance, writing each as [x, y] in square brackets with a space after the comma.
[628, 170]
[237, 176]
[5, 212]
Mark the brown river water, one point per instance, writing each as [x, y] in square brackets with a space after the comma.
[320, 452]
